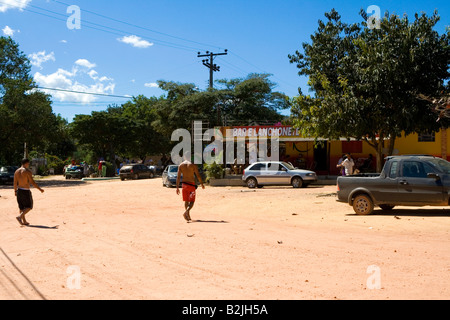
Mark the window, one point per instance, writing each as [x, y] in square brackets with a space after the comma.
[427, 137]
[415, 169]
[258, 167]
[173, 169]
[393, 170]
[275, 167]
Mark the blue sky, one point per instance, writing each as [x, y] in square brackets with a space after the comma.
[145, 41]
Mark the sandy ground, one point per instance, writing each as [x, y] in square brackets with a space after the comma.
[128, 240]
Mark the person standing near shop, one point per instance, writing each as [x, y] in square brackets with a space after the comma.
[100, 168]
[348, 164]
[339, 165]
[104, 169]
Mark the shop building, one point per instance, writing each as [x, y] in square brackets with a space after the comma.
[323, 155]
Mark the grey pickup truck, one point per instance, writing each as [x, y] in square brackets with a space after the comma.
[413, 180]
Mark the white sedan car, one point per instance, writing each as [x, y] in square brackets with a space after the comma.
[265, 173]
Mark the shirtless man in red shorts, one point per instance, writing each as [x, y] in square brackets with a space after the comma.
[189, 171]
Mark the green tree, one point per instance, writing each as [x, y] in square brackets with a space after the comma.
[366, 81]
[104, 132]
[26, 115]
[240, 100]
[250, 99]
[182, 104]
[144, 140]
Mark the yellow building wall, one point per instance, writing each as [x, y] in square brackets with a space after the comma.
[403, 145]
[411, 145]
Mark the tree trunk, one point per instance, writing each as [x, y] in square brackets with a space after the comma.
[379, 156]
[391, 145]
[378, 146]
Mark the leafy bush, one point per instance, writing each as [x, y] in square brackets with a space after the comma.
[56, 163]
[214, 170]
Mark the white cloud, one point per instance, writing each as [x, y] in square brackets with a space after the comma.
[13, 4]
[38, 58]
[151, 85]
[135, 41]
[63, 41]
[71, 81]
[7, 31]
[104, 78]
[85, 63]
[93, 74]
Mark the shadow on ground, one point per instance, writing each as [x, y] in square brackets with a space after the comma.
[51, 184]
[398, 213]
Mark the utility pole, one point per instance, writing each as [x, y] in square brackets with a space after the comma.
[209, 63]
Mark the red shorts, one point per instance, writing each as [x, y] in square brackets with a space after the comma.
[188, 192]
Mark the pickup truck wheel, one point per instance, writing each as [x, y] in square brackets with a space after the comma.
[386, 207]
[252, 183]
[363, 205]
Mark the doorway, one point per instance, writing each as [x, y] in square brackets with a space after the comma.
[321, 157]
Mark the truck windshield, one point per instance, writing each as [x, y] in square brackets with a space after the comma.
[441, 165]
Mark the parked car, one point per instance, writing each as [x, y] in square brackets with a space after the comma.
[7, 174]
[74, 172]
[412, 180]
[265, 173]
[135, 171]
[169, 176]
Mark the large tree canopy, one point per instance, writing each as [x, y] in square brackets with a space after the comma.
[26, 115]
[236, 101]
[366, 81]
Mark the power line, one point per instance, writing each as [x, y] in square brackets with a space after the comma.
[234, 67]
[140, 27]
[89, 93]
[264, 71]
[114, 30]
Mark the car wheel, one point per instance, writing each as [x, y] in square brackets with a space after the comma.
[122, 178]
[135, 176]
[386, 206]
[151, 175]
[297, 182]
[362, 204]
[252, 183]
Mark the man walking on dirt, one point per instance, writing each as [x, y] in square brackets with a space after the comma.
[189, 171]
[22, 180]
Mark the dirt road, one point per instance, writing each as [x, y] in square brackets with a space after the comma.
[128, 240]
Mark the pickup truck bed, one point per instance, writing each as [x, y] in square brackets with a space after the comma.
[405, 181]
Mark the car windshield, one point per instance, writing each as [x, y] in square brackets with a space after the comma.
[173, 169]
[7, 169]
[441, 165]
[288, 165]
